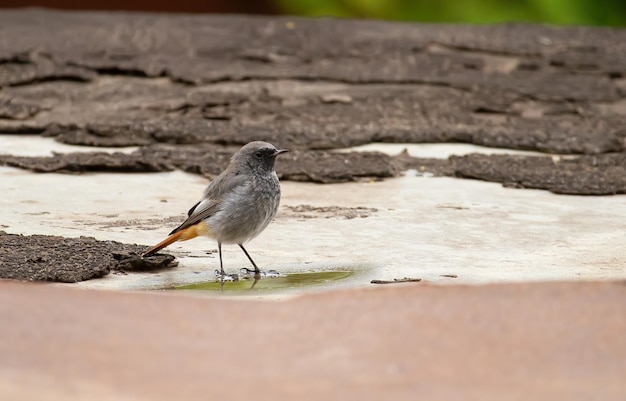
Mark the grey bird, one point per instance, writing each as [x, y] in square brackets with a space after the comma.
[238, 205]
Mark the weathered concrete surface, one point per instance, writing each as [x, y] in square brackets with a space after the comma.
[408, 226]
[499, 342]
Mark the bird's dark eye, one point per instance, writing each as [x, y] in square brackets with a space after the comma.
[258, 154]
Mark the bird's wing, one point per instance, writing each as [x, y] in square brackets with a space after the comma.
[212, 202]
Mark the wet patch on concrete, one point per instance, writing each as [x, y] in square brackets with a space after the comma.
[69, 260]
[283, 283]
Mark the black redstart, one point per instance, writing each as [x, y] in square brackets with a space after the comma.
[237, 205]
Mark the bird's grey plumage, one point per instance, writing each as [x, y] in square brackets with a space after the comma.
[240, 203]
[237, 205]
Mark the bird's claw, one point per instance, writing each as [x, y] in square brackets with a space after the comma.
[226, 277]
[250, 273]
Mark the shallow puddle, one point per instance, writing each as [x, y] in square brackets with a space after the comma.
[293, 281]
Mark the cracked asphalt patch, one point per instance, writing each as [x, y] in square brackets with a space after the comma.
[68, 260]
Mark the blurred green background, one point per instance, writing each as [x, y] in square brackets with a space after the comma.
[573, 12]
[578, 12]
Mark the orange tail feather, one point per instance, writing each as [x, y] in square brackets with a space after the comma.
[167, 241]
[182, 235]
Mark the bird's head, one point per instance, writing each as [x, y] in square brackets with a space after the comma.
[257, 155]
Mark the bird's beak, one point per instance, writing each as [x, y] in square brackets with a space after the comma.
[279, 151]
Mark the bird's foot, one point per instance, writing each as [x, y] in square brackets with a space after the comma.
[220, 276]
[250, 273]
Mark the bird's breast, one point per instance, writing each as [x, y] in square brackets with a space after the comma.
[247, 210]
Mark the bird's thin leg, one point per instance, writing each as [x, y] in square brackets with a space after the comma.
[219, 250]
[220, 273]
[256, 269]
[257, 272]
